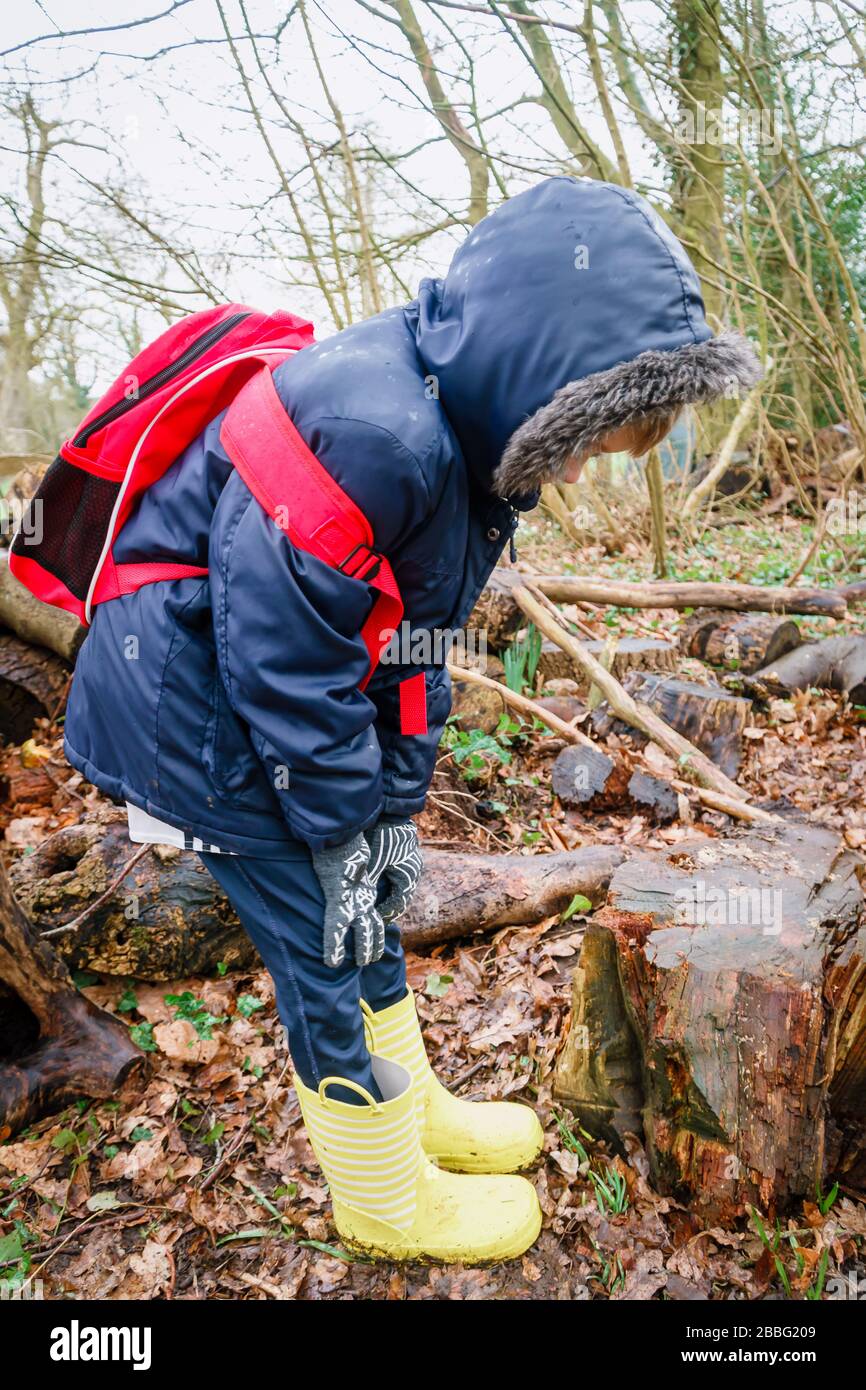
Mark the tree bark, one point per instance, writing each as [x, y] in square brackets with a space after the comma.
[463, 893]
[739, 641]
[709, 717]
[54, 1044]
[719, 1006]
[34, 621]
[33, 685]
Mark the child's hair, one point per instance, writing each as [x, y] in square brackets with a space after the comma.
[650, 431]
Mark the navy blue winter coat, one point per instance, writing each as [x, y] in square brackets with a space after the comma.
[199, 699]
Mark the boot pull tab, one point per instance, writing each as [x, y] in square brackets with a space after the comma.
[327, 1081]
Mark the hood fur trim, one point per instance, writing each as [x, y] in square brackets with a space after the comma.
[651, 385]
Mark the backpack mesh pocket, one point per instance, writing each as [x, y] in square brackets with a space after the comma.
[66, 523]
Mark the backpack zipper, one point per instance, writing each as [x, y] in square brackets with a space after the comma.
[195, 350]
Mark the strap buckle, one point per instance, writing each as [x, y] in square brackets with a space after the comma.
[366, 566]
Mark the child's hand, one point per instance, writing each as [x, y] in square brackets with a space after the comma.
[350, 903]
[394, 854]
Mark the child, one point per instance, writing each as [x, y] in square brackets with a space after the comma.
[570, 322]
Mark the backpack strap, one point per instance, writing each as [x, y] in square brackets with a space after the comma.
[302, 498]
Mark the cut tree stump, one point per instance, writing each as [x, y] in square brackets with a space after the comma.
[583, 775]
[738, 641]
[168, 918]
[707, 715]
[33, 685]
[638, 654]
[719, 1009]
[654, 796]
[54, 1044]
[836, 663]
[630, 654]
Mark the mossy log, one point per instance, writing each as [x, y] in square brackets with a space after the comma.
[167, 917]
[720, 1009]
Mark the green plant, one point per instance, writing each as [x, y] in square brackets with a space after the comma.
[611, 1192]
[569, 1139]
[521, 660]
[191, 1010]
[475, 751]
[825, 1202]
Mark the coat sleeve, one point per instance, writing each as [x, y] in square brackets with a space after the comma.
[291, 658]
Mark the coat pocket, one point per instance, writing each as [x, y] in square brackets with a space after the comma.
[228, 755]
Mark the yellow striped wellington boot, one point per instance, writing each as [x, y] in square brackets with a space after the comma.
[462, 1135]
[390, 1200]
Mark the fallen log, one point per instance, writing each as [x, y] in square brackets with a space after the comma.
[836, 663]
[709, 716]
[167, 917]
[673, 594]
[719, 1007]
[460, 894]
[738, 641]
[54, 1044]
[33, 621]
[33, 685]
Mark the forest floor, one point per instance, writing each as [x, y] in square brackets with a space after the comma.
[198, 1181]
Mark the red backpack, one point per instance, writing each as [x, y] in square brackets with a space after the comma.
[156, 407]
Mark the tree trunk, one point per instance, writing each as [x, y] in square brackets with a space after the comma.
[837, 663]
[739, 641]
[719, 1007]
[709, 717]
[54, 1044]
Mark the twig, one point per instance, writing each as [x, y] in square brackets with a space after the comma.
[521, 702]
[103, 897]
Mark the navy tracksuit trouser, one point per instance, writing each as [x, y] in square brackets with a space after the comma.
[281, 906]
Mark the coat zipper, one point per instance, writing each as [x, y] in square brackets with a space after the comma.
[195, 350]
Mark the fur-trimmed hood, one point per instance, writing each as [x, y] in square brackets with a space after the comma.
[566, 313]
[651, 384]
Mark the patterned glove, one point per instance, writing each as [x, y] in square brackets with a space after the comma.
[394, 853]
[350, 902]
